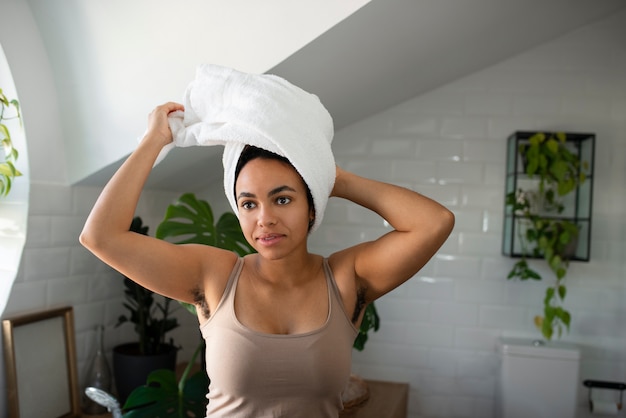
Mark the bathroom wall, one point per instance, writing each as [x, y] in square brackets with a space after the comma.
[57, 271]
[440, 329]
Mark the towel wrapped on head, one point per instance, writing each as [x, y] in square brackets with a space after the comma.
[227, 107]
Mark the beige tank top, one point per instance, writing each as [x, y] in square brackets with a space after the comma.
[269, 375]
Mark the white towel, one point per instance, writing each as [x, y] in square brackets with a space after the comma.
[227, 107]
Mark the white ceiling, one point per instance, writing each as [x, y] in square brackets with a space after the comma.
[391, 50]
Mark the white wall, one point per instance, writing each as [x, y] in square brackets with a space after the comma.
[439, 330]
[114, 60]
[57, 271]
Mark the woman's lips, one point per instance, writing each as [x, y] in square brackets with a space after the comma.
[269, 239]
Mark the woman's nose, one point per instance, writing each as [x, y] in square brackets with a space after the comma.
[266, 217]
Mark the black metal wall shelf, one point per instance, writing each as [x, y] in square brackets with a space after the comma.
[577, 204]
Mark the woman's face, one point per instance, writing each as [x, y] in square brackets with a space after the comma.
[273, 207]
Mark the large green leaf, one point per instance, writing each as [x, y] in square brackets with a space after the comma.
[162, 398]
[371, 320]
[191, 220]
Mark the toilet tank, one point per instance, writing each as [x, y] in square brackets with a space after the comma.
[537, 379]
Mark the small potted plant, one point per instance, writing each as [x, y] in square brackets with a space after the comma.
[544, 233]
[151, 316]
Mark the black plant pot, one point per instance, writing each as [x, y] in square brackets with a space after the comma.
[131, 369]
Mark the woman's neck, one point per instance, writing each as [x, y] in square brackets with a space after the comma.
[289, 271]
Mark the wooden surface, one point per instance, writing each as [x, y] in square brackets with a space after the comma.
[387, 400]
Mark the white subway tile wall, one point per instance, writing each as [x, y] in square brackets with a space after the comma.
[439, 330]
[57, 271]
[450, 144]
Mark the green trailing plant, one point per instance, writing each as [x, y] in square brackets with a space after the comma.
[542, 234]
[151, 318]
[371, 322]
[548, 157]
[8, 172]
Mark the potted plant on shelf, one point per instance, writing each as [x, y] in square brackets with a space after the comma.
[151, 316]
[8, 172]
[543, 233]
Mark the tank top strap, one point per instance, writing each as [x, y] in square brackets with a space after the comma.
[231, 284]
[336, 294]
[229, 290]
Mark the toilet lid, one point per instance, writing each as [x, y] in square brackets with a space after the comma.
[528, 348]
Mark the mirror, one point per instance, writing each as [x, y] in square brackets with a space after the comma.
[40, 357]
[13, 207]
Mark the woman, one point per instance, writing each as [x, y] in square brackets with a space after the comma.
[280, 323]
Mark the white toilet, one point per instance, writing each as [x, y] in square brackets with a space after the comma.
[537, 379]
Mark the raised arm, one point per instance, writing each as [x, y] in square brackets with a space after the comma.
[171, 270]
[420, 227]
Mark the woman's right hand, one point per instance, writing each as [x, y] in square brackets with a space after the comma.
[158, 125]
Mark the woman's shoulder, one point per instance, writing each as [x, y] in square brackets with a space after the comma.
[343, 259]
[218, 267]
[341, 264]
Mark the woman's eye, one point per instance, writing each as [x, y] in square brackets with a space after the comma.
[283, 200]
[247, 205]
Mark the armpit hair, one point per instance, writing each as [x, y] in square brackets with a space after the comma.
[200, 301]
[360, 303]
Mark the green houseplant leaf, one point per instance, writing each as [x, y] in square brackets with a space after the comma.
[164, 397]
[371, 321]
[190, 220]
[8, 171]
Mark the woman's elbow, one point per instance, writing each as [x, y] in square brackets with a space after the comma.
[85, 239]
[450, 219]
[89, 238]
[446, 222]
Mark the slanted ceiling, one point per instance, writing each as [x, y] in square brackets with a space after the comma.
[391, 50]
